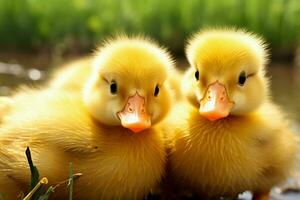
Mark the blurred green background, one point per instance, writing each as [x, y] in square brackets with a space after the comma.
[75, 26]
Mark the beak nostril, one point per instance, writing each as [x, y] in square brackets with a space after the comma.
[130, 109]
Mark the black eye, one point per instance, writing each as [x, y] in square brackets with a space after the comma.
[156, 90]
[242, 78]
[113, 87]
[197, 75]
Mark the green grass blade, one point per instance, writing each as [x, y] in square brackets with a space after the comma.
[34, 174]
[70, 183]
[47, 194]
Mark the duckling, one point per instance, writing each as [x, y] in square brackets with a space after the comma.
[73, 75]
[110, 131]
[230, 136]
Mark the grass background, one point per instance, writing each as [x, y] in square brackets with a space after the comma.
[72, 26]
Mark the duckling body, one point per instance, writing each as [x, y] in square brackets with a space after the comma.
[230, 156]
[230, 136]
[109, 131]
[115, 164]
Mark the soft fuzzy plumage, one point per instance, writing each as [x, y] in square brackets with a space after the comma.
[251, 149]
[59, 128]
[73, 76]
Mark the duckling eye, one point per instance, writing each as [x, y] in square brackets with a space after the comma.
[242, 78]
[113, 87]
[197, 75]
[156, 90]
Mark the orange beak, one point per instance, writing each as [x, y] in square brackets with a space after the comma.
[134, 115]
[215, 104]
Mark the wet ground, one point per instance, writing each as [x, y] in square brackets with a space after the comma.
[285, 86]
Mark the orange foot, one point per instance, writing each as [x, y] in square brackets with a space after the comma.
[261, 196]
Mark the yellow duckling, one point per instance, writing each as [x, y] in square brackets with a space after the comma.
[73, 75]
[230, 137]
[109, 133]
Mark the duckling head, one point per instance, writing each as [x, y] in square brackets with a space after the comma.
[227, 74]
[128, 84]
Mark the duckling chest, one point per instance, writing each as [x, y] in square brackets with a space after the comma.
[125, 168]
[217, 160]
